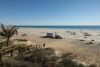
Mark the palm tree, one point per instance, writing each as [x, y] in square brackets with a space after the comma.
[7, 32]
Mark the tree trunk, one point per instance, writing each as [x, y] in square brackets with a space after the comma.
[11, 53]
[7, 43]
[19, 49]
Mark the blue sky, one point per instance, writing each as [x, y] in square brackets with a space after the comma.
[50, 12]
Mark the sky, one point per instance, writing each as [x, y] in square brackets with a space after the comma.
[50, 12]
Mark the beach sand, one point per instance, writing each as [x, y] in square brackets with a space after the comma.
[84, 52]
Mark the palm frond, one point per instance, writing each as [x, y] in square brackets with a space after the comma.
[2, 34]
[3, 29]
[13, 30]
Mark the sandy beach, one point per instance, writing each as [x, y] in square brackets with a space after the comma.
[77, 43]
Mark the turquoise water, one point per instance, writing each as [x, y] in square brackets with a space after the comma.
[64, 27]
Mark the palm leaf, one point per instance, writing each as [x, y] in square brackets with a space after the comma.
[2, 34]
[12, 30]
[3, 28]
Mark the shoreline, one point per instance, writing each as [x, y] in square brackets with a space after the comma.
[58, 28]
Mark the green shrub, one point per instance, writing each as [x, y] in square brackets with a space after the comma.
[67, 61]
[42, 58]
[92, 65]
[10, 62]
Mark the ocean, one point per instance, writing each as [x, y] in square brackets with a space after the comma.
[64, 27]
